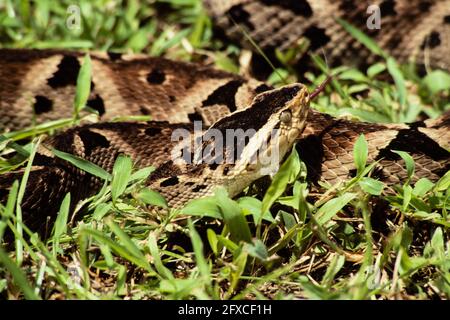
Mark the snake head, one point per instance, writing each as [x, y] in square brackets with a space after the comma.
[289, 107]
[250, 143]
[241, 147]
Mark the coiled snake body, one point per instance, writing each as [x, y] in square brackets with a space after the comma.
[39, 85]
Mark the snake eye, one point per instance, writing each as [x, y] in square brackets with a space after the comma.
[286, 116]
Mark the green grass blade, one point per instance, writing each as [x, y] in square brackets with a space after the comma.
[362, 37]
[9, 208]
[83, 164]
[18, 276]
[197, 244]
[61, 222]
[258, 49]
[399, 81]
[118, 249]
[83, 85]
[125, 240]
[20, 195]
[154, 251]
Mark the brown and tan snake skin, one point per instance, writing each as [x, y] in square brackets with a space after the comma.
[39, 85]
[417, 30]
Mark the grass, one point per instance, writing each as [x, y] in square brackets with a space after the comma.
[284, 242]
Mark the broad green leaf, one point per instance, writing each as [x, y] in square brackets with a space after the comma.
[109, 259]
[38, 129]
[224, 62]
[360, 152]
[233, 216]
[163, 42]
[239, 263]
[203, 207]
[182, 287]
[287, 174]
[360, 87]
[437, 80]
[42, 13]
[443, 183]
[67, 44]
[437, 242]
[278, 76]
[202, 24]
[152, 197]
[7, 142]
[121, 280]
[409, 162]
[419, 204]
[422, 187]
[299, 194]
[257, 249]
[371, 186]
[120, 176]
[288, 219]
[412, 113]
[254, 206]
[425, 216]
[312, 290]
[142, 174]
[138, 41]
[332, 207]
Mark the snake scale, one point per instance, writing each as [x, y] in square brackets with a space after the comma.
[39, 86]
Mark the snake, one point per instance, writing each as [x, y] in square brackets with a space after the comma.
[38, 86]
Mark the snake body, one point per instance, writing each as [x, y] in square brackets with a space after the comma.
[409, 30]
[39, 85]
